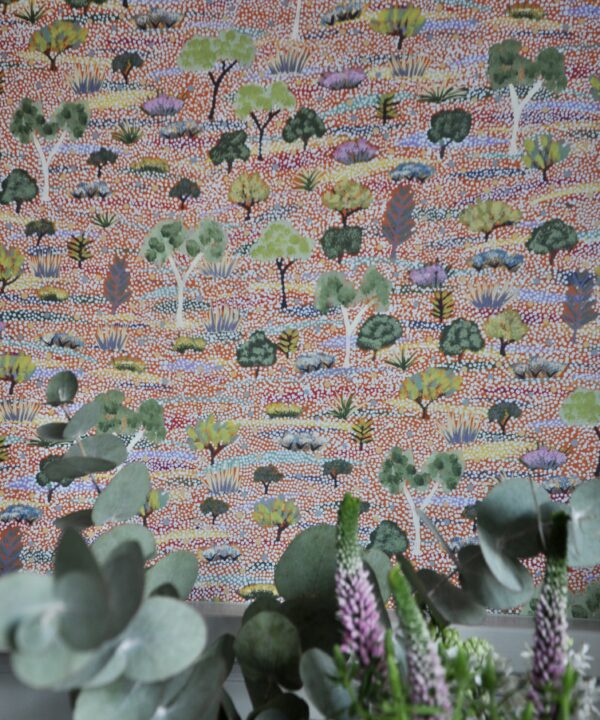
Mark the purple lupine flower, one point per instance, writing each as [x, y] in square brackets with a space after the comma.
[342, 80]
[162, 106]
[358, 613]
[550, 643]
[433, 275]
[543, 459]
[354, 151]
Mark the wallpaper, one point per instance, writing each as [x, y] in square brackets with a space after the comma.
[300, 248]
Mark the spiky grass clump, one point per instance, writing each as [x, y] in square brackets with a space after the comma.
[87, 78]
[307, 180]
[222, 320]
[460, 429]
[46, 265]
[127, 134]
[219, 269]
[183, 343]
[129, 364]
[111, 339]
[224, 481]
[150, 165]
[289, 61]
[18, 411]
[283, 410]
[50, 293]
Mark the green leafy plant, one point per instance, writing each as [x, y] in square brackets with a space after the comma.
[104, 220]
[443, 93]
[543, 152]
[257, 352]
[378, 332]
[449, 126]
[387, 107]
[303, 126]
[551, 237]
[262, 105]
[214, 507]
[283, 410]
[502, 412]
[51, 293]
[276, 512]
[361, 431]
[185, 343]
[426, 387]
[11, 266]
[78, 249]
[335, 468]
[442, 304]
[459, 337]
[402, 360]
[398, 21]
[247, 190]
[127, 134]
[489, 215]
[507, 326]
[307, 180]
[266, 475]
[15, 368]
[33, 13]
[287, 341]
[212, 435]
[344, 409]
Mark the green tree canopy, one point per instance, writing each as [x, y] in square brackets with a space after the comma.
[125, 62]
[212, 435]
[284, 245]
[11, 266]
[276, 512]
[214, 507]
[401, 21]
[337, 242]
[304, 125]
[219, 55]
[489, 215]
[247, 190]
[231, 146]
[53, 40]
[449, 126]
[542, 152]
[184, 190]
[582, 407]
[262, 105]
[101, 158]
[335, 468]
[40, 228]
[507, 326]
[258, 351]
[347, 197]
[551, 237]
[18, 187]
[503, 411]
[266, 475]
[460, 336]
[426, 387]
[15, 368]
[378, 332]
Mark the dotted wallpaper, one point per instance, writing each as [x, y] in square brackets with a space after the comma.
[282, 239]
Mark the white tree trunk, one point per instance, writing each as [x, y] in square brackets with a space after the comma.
[416, 546]
[181, 281]
[296, 27]
[45, 163]
[350, 329]
[517, 111]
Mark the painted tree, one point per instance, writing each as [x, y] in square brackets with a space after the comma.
[579, 306]
[78, 248]
[399, 474]
[214, 507]
[582, 408]
[335, 468]
[125, 62]
[231, 146]
[458, 337]
[257, 352]
[18, 187]
[524, 78]
[217, 55]
[401, 21]
[398, 222]
[543, 152]
[551, 237]
[361, 431]
[117, 283]
[169, 242]
[303, 126]
[101, 158]
[387, 105]
[11, 266]
[507, 326]
[263, 105]
[502, 412]
[449, 126]
[347, 197]
[146, 422]
[184, 190]
[339, 241]
[53, 40]
[212, 435]
[427, 387]
[30, 126]
[334, 291]
[266, 475]
[247, 190]
[15, 368]
[489, 215]
[276, 512]
[39, 229]
[378, 332]
[283, 245]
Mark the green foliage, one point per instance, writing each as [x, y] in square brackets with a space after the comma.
[551, 237]
[503, 411]
[127, 134]
[258, 351]
[304, 125]
[3, 455]
[230, 146]
[460, 336]
[184, 343]
[344, 408]
[335, 468]
[361, 431]
[214, 507]
[276, 512]
[489, 215]
[53, 40]
[130, 364]
[287, 341]
[507, 326]
[51, 293]
[388, 538]
[78, 249]
[526, 11]
[61, 388]
[266, 475]
[125, 62]
[378, 332]
[403, 361]
[101, 158]
[398, 21]
[11, 266]
[347, 197]
[247, 190]
[39, 229]
[443, 93]
[387, 107]
[334, 290]
[307, 180]
[449, 126]
[262, 104]
[150, 164]
[18, 187]
[212, 435]
[283, 410]
[581, 407]
[442, 304]
[33, 14]
[124, 495]
[337, 242]
[15, 368]
[104, 220]
[506, 66]
[542, 152]
[426, 387]
[169, 238]
[116, 417]
[595, 85]
[398, 470]
[184, 190]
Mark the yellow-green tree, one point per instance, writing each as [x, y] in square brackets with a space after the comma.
[489, 215]
[262, 105]
[53, 40]
[542, 152]
[247, 190]
[426, 387]
[398, 21]
[15, 368]
[212, 435]
[507, 326]
[347, 197]
[276, 512]
[11, 266]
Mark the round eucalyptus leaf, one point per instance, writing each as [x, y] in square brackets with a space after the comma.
[84, 619]
[122, 700]
[107, 673]
[179, 569]
[163, 639]
[124, 575]
[69, 468]
[105, 544]
[479, 582]
[123, 496]
[282, 707]
[22, 595]
[61, 389]
[259, 604]
[268, 645]
[307, 567]
[379, 564]
[317, 670]
[52, 432]
[86, 418]
[315, 619]
[102, 445]
[453, 604]
[79, 520]
[584, 527]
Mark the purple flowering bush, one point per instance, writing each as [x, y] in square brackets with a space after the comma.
[355, 151]
[543, 459]
[427, 276]
[343, 79]
[162, 106]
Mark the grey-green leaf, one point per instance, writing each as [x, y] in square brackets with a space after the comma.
[86, 418]
[61, 389]
[452, 603]
[318, 670]
[584, 527]
[307, 567]
[179, 569]
[123, 496]
[104, 545]
[22, 595]
[69, 468]
[122, 700]
[52, 432]
[102, 445]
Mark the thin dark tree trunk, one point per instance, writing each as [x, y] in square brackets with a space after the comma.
[216, 83]
[282, 268]
[597, 473]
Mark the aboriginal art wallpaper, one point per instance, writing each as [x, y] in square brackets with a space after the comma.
[292, 249]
